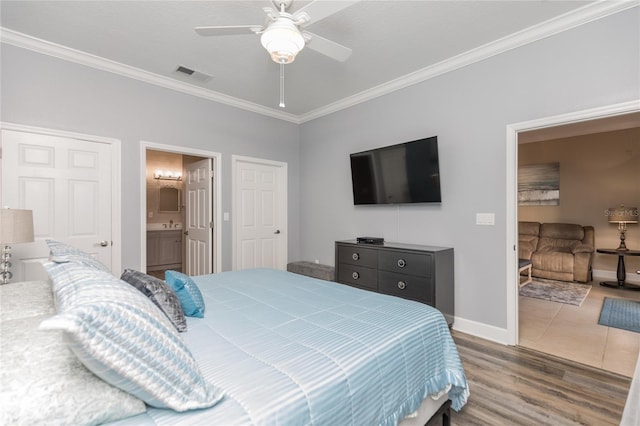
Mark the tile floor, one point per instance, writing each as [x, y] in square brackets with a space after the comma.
[573, 332]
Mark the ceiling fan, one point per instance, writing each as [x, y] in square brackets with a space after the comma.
[282, 35]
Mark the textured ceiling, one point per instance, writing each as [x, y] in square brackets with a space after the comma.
[391, 41]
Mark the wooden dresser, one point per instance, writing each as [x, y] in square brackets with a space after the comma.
[416, 272]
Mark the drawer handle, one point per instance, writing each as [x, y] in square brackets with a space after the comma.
[355, 275]
[402, 285]
[355, 256]
[402, 263]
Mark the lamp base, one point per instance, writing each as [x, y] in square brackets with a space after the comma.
[622, 246]
[6, 264]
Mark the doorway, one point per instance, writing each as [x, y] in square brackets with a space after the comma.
[591, 167]
[555, 123]
[169, 213]
[568, 331]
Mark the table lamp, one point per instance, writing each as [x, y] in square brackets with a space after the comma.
[16, 226]
[622, 215]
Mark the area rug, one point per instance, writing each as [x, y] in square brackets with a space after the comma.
[556, 291]
[620, 313]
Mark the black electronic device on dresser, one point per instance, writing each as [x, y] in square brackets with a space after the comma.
[417, 272]
[370, 240]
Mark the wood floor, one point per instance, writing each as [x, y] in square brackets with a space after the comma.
[519, 386]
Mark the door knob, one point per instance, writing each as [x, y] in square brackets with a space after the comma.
[277, 231]
[104, 243]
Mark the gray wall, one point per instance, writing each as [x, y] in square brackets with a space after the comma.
[468, 109]
[43, 91]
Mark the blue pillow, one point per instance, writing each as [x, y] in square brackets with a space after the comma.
[188, 293]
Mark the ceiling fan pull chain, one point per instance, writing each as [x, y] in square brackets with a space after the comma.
[281, 85]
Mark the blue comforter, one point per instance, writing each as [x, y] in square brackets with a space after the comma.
[289, 349]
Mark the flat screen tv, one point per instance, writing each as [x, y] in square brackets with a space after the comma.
[405, 173]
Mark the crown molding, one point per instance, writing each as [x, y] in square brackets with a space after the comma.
[586, 14]
[72, 55]
[581, 16]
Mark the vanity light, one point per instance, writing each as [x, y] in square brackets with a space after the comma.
[167, 175]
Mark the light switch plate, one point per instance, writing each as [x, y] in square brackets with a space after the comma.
[485, 219]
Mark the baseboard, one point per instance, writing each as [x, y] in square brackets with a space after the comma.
[484, 331]
[600, 274]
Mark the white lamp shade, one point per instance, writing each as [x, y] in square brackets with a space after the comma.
[16, 226]
[282, 40]
[623, 214]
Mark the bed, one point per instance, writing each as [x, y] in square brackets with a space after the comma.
[282, 348]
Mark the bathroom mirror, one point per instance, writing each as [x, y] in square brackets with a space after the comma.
[169, 200]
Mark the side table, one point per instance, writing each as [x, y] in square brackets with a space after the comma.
[621, 272]
[524, 265]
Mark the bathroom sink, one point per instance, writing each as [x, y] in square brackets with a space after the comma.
[164, 226]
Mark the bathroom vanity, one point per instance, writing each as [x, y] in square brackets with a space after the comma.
[164, 247]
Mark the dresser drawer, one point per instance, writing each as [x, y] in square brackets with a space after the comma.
[418, 264]
[356, 255]
[359, 276]
[406, 286]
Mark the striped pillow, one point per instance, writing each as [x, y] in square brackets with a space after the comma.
[123, 338]
[62, 253]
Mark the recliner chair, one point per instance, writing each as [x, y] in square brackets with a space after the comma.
[559, 251]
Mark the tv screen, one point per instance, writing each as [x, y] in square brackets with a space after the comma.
[397, 174]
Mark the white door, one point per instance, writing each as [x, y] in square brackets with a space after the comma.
[199, 224]
[259, 213]
[67, 184]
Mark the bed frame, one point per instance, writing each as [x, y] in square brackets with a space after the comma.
[432, 412]
[442, 417]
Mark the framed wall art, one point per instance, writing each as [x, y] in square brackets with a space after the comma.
[539, 184]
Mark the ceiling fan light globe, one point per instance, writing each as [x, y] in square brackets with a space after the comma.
[283, 41]
[282, 57]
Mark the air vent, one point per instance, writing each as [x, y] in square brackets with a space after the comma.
[193, 74]
[184, 70]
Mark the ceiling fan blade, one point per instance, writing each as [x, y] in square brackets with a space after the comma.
[271, 13]
[320, 9]
[327, 47]
[228, 30]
